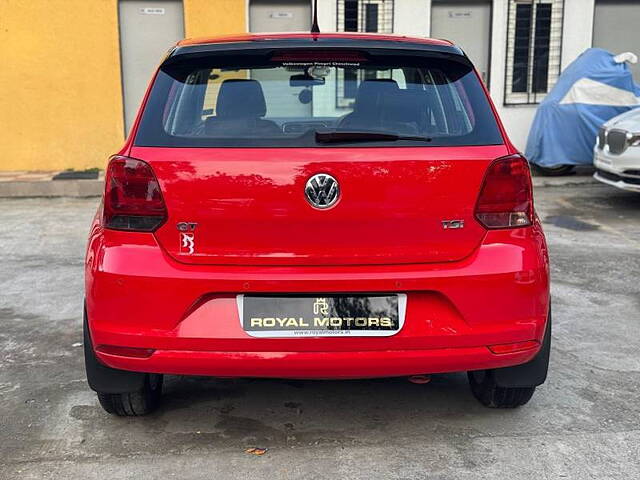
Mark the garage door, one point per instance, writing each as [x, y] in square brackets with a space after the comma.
[280, 15]
[147, 29]
[468, 24]
[616, 27]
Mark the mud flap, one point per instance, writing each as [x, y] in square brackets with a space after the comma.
[104, 379]
[530, 374]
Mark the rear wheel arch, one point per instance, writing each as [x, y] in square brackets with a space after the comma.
[511, 387]
[106, 379]
[532, 373]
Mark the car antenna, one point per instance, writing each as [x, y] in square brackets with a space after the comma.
[314, 27]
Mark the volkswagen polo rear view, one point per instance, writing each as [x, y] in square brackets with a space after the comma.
[316, 206]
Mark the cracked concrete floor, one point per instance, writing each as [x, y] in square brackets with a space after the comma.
[582, 424]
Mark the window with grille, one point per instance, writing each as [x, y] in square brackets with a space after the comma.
[365, 16]
[534, 41]
[374, 16]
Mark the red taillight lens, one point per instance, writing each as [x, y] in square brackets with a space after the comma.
[132, 197]
[506, 197]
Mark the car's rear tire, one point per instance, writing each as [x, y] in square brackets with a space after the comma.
[120, 392]
[488, 393]
[556, 171]
[134, 404]
[511, 387]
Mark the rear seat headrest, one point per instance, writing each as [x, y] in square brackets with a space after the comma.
[371, 92]
[239, 98]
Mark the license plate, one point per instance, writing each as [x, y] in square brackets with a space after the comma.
[322, 315]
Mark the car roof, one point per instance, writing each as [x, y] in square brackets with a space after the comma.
[248, 41]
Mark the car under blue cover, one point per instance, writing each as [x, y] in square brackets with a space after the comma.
[592, 89]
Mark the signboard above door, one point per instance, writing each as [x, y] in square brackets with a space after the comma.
[460, 13]
[281, 15]
[152, 11]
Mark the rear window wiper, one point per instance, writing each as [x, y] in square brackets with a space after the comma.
[335, 136]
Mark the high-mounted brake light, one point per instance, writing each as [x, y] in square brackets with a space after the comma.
[327, 56]
[506, 196]
[132, 197]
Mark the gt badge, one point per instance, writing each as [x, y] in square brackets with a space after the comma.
[186, 226]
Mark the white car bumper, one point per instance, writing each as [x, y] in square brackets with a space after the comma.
[622, 171]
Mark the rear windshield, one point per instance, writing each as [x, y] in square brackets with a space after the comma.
[284, 98]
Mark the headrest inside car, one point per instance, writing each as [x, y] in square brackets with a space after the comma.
[371, 92]
[240, 98]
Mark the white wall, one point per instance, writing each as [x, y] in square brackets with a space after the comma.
[577, 33]
[412, 17]
[327, 15]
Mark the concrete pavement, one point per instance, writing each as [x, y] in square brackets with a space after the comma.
[582, 424]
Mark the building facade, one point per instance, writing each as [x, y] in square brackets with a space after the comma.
[77, 69]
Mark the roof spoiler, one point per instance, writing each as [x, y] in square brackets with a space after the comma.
[317, 42]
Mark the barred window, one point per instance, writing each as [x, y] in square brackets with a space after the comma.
[534, 40]
[374, 16]
[365, 16]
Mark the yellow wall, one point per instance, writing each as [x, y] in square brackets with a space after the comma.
[60, 82]
[214, 17]
[60, 89]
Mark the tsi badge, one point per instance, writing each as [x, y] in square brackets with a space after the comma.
[452, 224]
[187, 237]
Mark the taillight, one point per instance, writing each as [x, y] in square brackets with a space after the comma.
[132, 197]
[506, 196]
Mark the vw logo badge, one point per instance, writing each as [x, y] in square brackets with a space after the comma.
[322, 190]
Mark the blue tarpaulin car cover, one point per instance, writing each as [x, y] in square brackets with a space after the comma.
[594, 88]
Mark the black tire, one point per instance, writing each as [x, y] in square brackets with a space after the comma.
[489, 394]
[511, 387]
[134, 404]
[556, 171]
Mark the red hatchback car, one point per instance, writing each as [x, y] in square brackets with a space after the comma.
[317, 206]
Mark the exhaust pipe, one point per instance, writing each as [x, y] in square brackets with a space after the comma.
[419, 379]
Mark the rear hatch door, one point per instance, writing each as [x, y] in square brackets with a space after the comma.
[248, 206]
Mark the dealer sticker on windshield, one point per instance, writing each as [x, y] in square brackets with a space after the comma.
[322, 315]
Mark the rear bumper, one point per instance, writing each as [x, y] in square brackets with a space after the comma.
[323, 365]
[137, 296]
